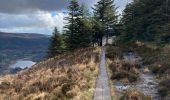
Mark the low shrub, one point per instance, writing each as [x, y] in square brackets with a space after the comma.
[163, 91]
[122, 70]
[113, 52]
[123, 74]
[133, 77]
[133, 94]
[5, 85]
[164, 87]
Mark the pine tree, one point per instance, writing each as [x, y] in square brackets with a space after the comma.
[97, 31]
[105, 15]
[72, 27]
[78, 28]
[85, 30]
[56, 44]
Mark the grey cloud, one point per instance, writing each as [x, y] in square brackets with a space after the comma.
[122, 3]
[30, 22]
[13, 21]
[24, 6]
[21, 15]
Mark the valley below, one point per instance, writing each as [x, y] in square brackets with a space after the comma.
[21, 49]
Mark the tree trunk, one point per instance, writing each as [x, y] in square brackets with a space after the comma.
[101, 41]
[107, 38]
[107, 34]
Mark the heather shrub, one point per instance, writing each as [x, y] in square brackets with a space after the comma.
[164, 87]
[133, 94]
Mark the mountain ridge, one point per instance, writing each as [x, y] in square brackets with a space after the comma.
[23, 35]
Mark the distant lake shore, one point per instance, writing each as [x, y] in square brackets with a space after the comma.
[22, 64]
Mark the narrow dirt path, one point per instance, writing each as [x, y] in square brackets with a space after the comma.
[102, 91]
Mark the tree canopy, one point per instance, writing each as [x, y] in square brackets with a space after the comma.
[147, 20]
[57, 44]
[105, 16]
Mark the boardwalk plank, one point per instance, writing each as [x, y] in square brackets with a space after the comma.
[102, 91]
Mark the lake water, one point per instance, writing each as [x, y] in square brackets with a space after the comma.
[22, 64]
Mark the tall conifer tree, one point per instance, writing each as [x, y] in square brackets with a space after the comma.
[72, 27]
[85, 30]
[78, 27]
[56, 44]
[105, 15]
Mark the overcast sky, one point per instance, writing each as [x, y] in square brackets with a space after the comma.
[38, 16]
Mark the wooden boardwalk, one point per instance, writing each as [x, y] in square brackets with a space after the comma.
[102, 91]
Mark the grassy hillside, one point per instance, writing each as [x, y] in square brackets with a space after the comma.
[68, 76]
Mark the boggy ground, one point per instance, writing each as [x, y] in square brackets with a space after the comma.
[125, 71]
[155, 59]
[122, 70]
[68, 76]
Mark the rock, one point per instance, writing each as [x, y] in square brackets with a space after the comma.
[146, 70]
[159, 66]
[15, 70]
[125, 80]
[139, 43]
[151, 83]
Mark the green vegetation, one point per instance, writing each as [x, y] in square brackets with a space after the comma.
[77, 32]
[57, 44]
[146, 20]
[145, 31]
[105, 19]
[84, 29]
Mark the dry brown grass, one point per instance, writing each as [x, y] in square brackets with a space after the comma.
[112, 88]
[68, 76]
